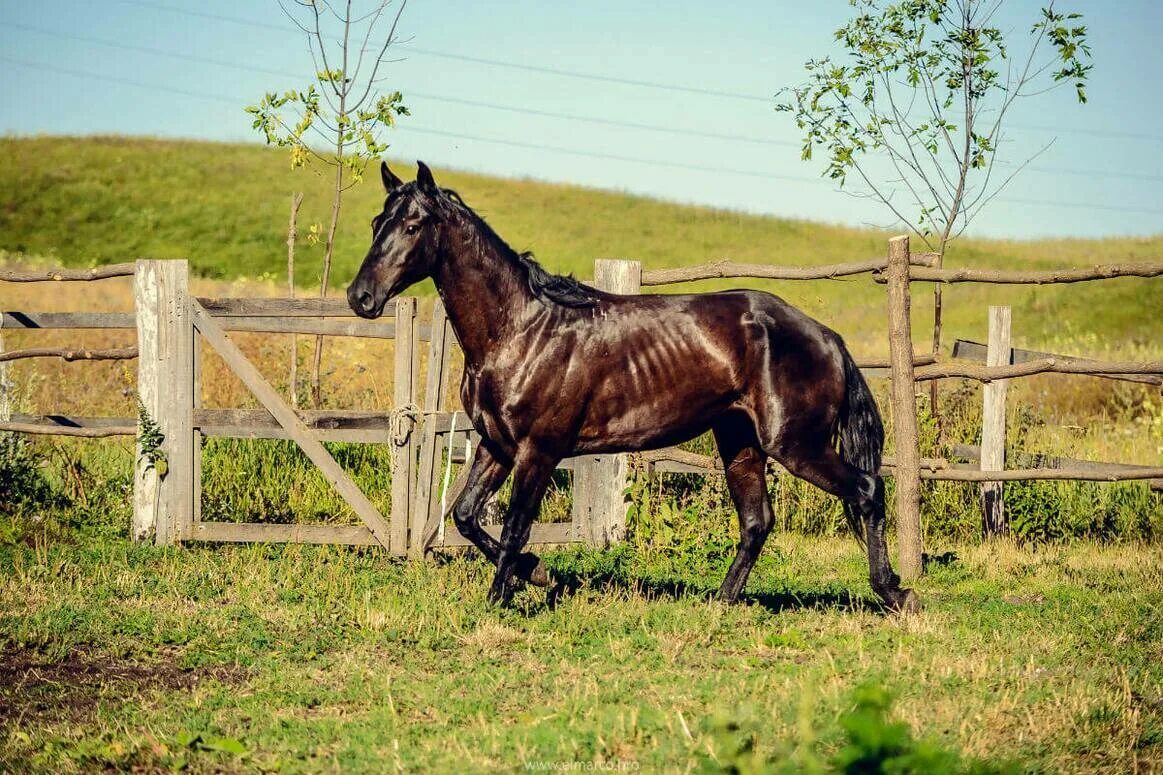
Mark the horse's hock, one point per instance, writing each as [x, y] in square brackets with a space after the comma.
[428, 436]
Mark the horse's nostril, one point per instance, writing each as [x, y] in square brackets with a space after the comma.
[365, 301]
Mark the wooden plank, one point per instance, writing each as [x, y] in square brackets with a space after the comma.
[1033, 277]
[366, 329]
[599, 481]
[426, 507]
[908, 481]
[67, 275]
[163, 505]
[197, 435]
[728, 268]
[252, 532]
[58, 320]
[964, 349]
[283, 307]
[322, 419]
[404, 447]
[299, 432]
[326, 425]
[353, 436]
[541, 533]
[993, 422]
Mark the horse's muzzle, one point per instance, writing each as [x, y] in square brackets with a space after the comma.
[364, 302]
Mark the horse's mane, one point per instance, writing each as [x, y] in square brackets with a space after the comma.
[543, 284]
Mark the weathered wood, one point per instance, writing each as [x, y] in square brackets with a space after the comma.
[1029, 474]
[541, 533]
[286, 416]
[404, 446]
[50, 320]
[1040, 366]
[426, 507]
[1033, 277]
[599, 481]
[908, 482]
[272, 325]
[68, 421]
[163, 504]
[353, 436]
[966, 350]
[924, 359]
[728, 268]
[198, 436]
[972, 452]
[293, 340]
[67, 275]
[68, 354]
[252, 532]
[993, 422]
[283, 307]
[85, 432]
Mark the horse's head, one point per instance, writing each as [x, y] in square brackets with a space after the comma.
[405, 238]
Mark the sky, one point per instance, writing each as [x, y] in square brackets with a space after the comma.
[673, 100]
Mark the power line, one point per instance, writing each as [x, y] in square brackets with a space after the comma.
[600, 78]
[234, 101]
[573, 117]
[422, 95]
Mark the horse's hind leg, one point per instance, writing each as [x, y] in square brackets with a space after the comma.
[865, 494]
[744, 464]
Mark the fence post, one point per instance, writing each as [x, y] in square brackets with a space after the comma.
[993, 421]
[908, 460]
[163, 493]
[599, 481]
[427, 500]
[403, 450]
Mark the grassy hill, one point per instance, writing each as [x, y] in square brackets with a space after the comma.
[81, 201]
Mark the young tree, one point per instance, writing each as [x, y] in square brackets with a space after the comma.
[926, 86]
[343, 111]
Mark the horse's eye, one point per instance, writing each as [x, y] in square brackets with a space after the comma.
[412, 228]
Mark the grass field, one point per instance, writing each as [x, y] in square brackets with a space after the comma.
[308, 659]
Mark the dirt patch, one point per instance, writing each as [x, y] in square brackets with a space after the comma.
[72, 688]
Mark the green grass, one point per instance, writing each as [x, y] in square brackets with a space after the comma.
[225, 207]
[304, 659]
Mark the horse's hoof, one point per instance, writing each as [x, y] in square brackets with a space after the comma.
[539, 576]
[532, 569]
[908, 602]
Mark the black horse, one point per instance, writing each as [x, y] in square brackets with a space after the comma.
[555, 368]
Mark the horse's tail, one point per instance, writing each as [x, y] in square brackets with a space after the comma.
[861, 434]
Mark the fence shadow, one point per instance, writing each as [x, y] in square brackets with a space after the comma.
[567, 583]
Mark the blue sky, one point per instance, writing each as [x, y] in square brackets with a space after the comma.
[715, 138]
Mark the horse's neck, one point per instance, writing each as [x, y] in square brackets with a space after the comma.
[484, 293]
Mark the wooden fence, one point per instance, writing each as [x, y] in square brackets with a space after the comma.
[428, 435]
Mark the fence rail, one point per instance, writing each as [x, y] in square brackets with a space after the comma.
[67, 275]
[71, 354]
[728, 268]
[1030, 277]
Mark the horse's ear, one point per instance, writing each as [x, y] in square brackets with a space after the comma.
[424, 177]
[391, 182]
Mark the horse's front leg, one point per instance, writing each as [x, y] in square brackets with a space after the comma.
[531, 475]
[485, 477]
